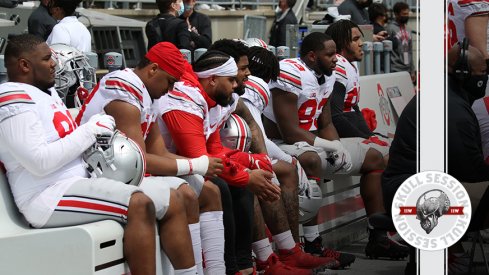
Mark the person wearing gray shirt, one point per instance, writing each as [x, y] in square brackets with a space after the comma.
[402, 42]
[356, 9]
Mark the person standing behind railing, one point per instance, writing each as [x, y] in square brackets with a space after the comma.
[198, 24]
[40, 22]
[283, 17]
[402, 41]
[166, 26]
[69, 30]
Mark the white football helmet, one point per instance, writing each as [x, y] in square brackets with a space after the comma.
[236, 134]
[72, 68]
[310, 199]
[256, 42]
[116, 157]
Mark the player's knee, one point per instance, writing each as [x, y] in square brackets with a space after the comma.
[141, 203]
[212, 196]
[373, 161]
[176, 202]
[286, 174]
[187, 194]
[310, 162]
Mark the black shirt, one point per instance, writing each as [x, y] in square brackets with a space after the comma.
[40, 22]
[465, 158]
[402, 154]
[173, 30]
[278, 30]
[202, 23]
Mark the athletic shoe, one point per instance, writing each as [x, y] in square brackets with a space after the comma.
[273, 266]
[297, 258]
[316, 248]
[380, 246]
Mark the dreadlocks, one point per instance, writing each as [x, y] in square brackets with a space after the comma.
[340, 31]
[234, 48]
[263, 64]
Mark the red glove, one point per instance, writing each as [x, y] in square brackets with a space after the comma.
[233, 172]
[370, 119]
[251, 161]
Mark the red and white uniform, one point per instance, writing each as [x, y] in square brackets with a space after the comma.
[347, 74]
[190, 121]
[295, 77]
[41, 149]
[458, 11]
[123, 85]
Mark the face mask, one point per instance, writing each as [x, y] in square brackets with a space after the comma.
[475, 86]
[181, 10]
[403, 19]
[187, 7]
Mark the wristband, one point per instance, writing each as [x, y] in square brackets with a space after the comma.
[327, 145]
[197, 166]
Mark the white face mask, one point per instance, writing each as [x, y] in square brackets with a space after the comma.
[181, 10]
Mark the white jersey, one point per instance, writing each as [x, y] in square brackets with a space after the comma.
[188, 98]
[122, 85]
[256, 98]
[38, 178]
[347, 74]
[458, 11]
[295, 77]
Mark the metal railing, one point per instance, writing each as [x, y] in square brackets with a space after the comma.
[137, 4]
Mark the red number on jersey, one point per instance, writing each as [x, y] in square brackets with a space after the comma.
[307, 113]
[351, 99]
[452, 29]
[63, 123]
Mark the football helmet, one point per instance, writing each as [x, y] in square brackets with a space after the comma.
[256, 42]
[310, 199]
[116, 157]
[73, 72]
[236, 134]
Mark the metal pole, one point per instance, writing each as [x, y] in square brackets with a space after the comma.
[378, 48]
[367, 59]
[387, 55]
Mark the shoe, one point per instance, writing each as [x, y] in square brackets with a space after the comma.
[316, 248]
[458, 264]
[273, 266]
[297, 258]
[379, 245]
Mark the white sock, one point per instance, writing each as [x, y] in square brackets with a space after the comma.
[262, 249]
[311, 232]
[188, 271]
[195, 236]
[284, 240]
[212, 235]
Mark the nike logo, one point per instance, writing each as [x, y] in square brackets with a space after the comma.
[101, 125]
[212, 125]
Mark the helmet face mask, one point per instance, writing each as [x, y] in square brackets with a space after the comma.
[236, 134]
[116, 157]
[72, 70]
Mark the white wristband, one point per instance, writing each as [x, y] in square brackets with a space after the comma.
[192, 166]
[327, 145]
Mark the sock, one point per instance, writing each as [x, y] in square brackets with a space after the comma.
[262, 249]
[195, 236]
[212, 235]
[284, 240]
[187, 271]
[311, 232]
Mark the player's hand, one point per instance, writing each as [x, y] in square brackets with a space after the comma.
[215, 167]
[260, 183]
[101, 125]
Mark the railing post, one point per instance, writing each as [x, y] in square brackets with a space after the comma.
[367, 59]
[187, 55]
[378, 48]
[113, 61]
[198, 53]
[387, 55]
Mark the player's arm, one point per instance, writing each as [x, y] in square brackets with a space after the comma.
[257, 140]
[341, 123]
[476, 32]
[128, 120]
[23, 135]
[326, 128]
[287, 117]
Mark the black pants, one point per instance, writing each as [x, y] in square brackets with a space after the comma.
[237, 206]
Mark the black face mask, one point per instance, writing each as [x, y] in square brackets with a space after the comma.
[403, 19]
[475, 86]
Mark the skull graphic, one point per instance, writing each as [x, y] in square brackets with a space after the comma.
[430, 206]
